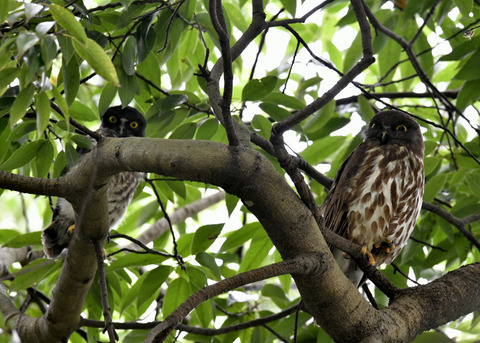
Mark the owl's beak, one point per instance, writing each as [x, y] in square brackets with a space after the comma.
[385, 136]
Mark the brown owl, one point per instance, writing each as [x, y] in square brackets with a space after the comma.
[377, 194]
[116, 122]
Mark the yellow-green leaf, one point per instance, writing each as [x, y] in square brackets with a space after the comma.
[21, 156]
[22, 101]
[97, 58]
[68, 21]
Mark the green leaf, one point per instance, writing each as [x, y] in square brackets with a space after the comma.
[207, 130]
[82, 141]
[276, 294]
[71, 79]
[208, 261]
[320, 118]
[128, 88]
[256, 253]
[433, 186]
[60, 164]
[241, 236]
[469, 94]
[97, 58]
[68, 21]
[81, 112]
[465, 7]
[21, 156]
[231, 201]
[177, 292]
[148, 285]
[33, 273]
[290, 6]
[262, 124]
[22, 101]
[136, 260]
[473, 183]
[7, 75]
[172, 101]
[24, 240]
[258, 89]
[62, 104]
[71, 155]
[178, 187]
[322, 149]
[42, 104]
[106, 98]
[48, 49]
[204, 237]
[471, 69]
[185, 131]
[25, 41]
[430, 163]
[152, 283]
[366, 110]
[276, 112]
[129, 56]
[44, 158]
[288, 101]
[353, 54]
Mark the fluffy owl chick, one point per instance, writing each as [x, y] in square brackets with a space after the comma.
[116, 122]
[376, 196]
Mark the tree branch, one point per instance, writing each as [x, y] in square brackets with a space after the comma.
[299, 265]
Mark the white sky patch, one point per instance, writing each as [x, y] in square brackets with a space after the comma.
[344, 38]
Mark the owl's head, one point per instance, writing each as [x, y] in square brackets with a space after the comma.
[394, 127]
[125, 122]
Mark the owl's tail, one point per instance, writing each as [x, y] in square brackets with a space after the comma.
[54, 239]
[349, 268]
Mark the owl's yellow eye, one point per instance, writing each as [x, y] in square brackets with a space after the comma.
[112, 119]
[133, 124]
[401, 128]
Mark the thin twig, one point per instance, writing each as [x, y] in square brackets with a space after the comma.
[427, 244]
[104, 294]
[218, 22]
[140, 244]
[165, 214]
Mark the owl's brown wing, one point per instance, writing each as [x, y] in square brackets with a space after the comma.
[335, 206]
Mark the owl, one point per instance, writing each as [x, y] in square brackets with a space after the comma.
[376, 196]
[116, 122]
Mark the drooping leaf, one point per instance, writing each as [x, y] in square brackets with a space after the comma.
[257, 89]
[33, 273]
[22, 101]
[68, 21]
[433, 186]
[204, 237]
[129, 56]
[97, 58]
[44, 158]
[21, 156]
[177, 292]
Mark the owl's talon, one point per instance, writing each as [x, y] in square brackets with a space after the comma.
[371, 259]
[71, 229]
[346, 255]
